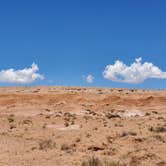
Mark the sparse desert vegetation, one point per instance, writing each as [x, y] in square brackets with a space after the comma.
[66, 125]
[97, 162]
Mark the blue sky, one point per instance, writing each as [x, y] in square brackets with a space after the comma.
[71, 39]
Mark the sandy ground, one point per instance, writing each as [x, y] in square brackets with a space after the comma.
[63, 126]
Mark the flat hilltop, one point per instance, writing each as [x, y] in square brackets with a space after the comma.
[68, 126]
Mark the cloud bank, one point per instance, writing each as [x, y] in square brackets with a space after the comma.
[89, 79]
[24, 76]
[137, 72]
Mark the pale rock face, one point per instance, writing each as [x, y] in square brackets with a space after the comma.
[132, 113]
[62, 128]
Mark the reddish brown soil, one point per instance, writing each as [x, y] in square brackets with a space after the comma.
[62, 126]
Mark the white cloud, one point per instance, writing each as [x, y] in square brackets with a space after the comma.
[24, 76]
[137, 72]
[89, 79]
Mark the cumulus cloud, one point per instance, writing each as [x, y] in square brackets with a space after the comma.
[137, 72]
[24, 76]
[89, 79]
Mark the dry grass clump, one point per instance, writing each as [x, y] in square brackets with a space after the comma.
[111, 116]
[111, 163]
[68, 148]
[69, 119]
[92, 162]
[10, 119]
[65, 147]
[159, 138]
[159, 129]
[97, 162]
[47, 144]
[128, 133]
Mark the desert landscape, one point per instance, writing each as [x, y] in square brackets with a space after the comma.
[67, 126]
